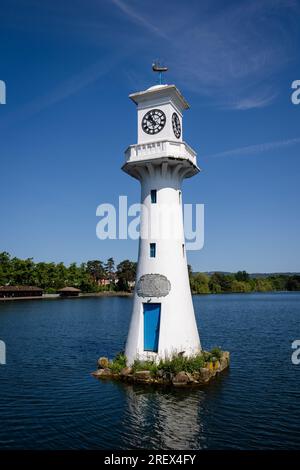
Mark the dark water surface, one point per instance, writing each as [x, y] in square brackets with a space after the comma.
[48, 400]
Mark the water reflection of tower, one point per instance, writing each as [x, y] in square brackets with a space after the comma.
[158, 419]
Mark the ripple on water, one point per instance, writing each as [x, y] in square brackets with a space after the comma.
[49, 400]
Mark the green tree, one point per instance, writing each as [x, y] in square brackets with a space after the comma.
[85, 282]
[240, 286]
[242, 276]
[220, 282]
[263, 285]
[278, 281]
[190, 271]
[126, 272]
[200, 284]
[109, 268]
[293, 283]
[41, 276]
[5, 268]
[214, 287]
[96, 269]
[22, 271]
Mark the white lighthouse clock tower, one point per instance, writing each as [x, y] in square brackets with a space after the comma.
[163, 320]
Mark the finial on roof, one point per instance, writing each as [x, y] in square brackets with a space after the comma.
[159, 68]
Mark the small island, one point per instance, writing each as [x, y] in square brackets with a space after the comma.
[175, 371]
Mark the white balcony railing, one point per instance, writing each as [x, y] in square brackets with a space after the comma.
[161, 148]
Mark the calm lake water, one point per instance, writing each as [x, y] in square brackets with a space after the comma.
[48, 400]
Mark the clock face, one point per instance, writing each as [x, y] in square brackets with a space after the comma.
[176, 125]
[154, 121]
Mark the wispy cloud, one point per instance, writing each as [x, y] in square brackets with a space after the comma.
[139, 19]
[253, 101]
[256, 149]
[228, 52]
[64, 19]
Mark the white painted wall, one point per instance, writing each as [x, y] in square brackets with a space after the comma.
[167, 132]
[178, 330]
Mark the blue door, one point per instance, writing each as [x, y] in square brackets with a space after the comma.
[151, 326]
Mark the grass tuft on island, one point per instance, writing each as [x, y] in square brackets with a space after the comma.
[175, 370]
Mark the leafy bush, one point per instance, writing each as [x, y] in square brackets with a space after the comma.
[145, 365]
[194, 363]
[216, 352]
[178, 363]
[207, 356]
[50, 290]
[118, 363]
[174, 364]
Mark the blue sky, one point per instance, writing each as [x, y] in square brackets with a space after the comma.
[69, 67]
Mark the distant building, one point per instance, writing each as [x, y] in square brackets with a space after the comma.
[20, 291]
[69, 292]
[107, 281]
[131, 284]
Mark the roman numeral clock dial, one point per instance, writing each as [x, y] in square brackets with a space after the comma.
[154, 121]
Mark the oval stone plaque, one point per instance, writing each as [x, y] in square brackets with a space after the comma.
[153, 285]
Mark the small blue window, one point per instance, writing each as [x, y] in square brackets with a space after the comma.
[153, 196]
[152, 250]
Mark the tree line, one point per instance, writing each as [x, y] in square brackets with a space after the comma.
[96, 275]
[242, 282]
[53, 276]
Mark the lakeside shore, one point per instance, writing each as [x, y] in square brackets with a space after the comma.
[123, 294]
[81, 296]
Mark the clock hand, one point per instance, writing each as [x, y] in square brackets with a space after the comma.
[151, 120]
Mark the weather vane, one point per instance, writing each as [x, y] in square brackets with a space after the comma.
[158, 67]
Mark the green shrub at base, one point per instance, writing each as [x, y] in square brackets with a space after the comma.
[118, 363]
[173, 365]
